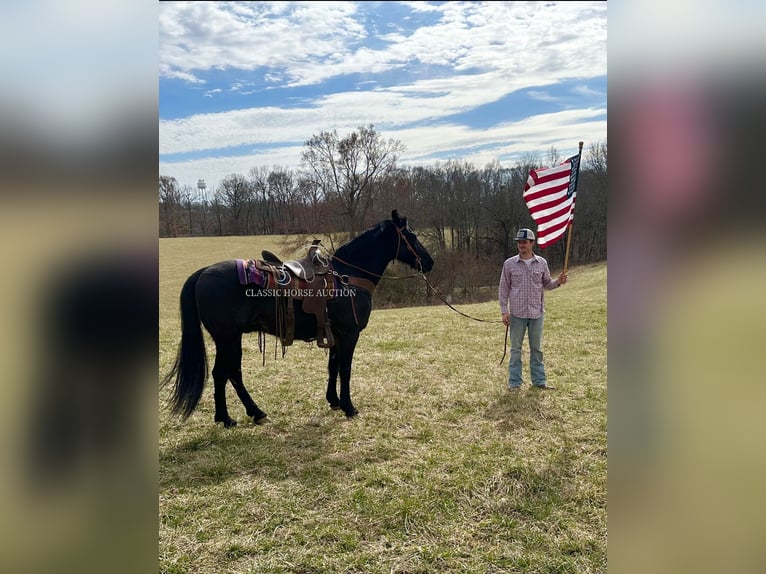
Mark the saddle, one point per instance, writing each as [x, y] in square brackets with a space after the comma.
[314, 263]
[307, 279]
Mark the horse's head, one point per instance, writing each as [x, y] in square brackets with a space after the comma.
[410, 250]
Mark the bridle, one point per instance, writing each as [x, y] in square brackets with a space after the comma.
[400, 233]
[400, 237]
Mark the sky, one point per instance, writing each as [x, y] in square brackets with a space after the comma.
[245, 85]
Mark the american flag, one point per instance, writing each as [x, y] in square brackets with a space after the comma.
[550, 196]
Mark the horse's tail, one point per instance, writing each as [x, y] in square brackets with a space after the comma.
[189, 371]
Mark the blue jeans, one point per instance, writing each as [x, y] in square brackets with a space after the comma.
[536, 368]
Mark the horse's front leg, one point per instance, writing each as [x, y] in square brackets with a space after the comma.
[345, 357]
[332, 379]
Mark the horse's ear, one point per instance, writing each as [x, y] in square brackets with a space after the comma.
[395, 216]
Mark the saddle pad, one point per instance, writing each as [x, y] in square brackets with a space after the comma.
[249, 274]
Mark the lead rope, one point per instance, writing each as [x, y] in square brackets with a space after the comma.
[443, 300]
[505, 343]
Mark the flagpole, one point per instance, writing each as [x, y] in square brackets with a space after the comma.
[571, 223]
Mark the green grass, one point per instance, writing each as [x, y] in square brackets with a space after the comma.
[443, 470]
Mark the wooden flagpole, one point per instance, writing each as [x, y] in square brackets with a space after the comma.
[569, 234]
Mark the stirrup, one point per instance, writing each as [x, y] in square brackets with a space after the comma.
[326, 340]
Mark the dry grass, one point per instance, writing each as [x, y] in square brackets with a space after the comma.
[443, 471]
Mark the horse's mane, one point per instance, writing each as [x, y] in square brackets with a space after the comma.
[352, 245]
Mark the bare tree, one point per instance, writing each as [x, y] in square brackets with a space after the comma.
[553, 157]
[590, 213]
[497, 206]
[235, 193]
[260, 199]
[597, 158]
[170, 201]
[218, 209]
[311, 197]
[349, 168]
[188, 193]
[282, 192]
[203, 213]
[433, 203]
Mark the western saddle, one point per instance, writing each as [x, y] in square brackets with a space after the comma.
[309, 280]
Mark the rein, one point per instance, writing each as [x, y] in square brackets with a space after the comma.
[370, 272]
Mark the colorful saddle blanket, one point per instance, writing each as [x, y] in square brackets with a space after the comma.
[250, 272]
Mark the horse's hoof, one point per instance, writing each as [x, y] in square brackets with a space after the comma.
[352, 414]
[335, 407]
[262, 420]
[228, 423]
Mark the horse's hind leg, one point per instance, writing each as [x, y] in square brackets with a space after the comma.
[332, 379]
[228, 367]
[222, 370]
[252, 410]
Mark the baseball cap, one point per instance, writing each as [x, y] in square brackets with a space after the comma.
[525, 234]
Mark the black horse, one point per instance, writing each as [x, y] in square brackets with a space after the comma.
[214, 296]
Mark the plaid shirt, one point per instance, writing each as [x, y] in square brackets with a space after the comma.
[523, 286]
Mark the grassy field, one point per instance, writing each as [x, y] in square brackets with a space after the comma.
[443, 471]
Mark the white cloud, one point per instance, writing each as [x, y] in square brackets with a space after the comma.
[185, 76]
[427, 100]
[424, 145]
[209, 93]
[536, 133]
[311, 42]
[200, 36]
[543, 96]
[473, 54]
[587, 91]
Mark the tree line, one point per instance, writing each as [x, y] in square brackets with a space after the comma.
[467, 216]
